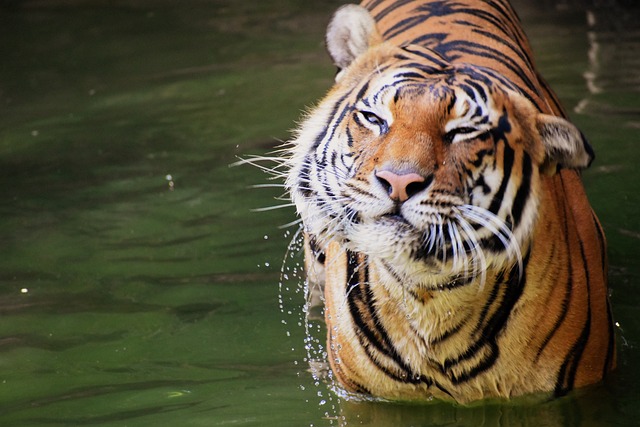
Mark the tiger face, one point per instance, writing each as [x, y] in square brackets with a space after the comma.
[430, 169]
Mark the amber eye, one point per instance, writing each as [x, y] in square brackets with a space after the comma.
[374, 119]
[457, 132]
[465, 133]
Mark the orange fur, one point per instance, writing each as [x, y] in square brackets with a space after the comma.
[400, 328]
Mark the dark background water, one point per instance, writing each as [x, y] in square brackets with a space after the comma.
[138, 287]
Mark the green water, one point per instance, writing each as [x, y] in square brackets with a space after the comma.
[138, 287]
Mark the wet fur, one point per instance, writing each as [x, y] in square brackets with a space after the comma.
[490, 281]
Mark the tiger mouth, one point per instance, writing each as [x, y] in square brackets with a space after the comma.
[395, 217]
[449, 243]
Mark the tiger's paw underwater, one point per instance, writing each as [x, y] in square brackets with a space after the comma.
[439, 188]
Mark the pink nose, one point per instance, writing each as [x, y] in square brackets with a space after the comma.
[401, 187]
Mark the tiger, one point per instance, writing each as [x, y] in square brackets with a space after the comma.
[439, 188]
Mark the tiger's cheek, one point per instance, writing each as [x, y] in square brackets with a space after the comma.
[363, 156]
[478, 171]
[483, 184]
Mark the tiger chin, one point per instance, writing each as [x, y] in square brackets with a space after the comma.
[439, 188]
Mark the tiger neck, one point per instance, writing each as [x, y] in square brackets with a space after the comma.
[450, 318]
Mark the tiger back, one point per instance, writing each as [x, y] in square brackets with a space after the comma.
[438, 184]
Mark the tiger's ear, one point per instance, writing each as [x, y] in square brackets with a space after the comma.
[564, 144]
[350, 33]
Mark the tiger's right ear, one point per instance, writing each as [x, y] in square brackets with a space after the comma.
[351, 32]
[564, 144]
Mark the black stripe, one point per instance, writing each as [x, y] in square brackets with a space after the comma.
[499, 134]
[491, 20]
[315, 249]
[448, 333]
[522, 195]
[362, 90]
[563, 314]
[429, 40]
[442, 8]
[369, 329]
[404, 25]
[483, 365]
[611, 349]
[334, 160]
[514, 48]
[371, 332]
[505, 9]
[566, 299]
[356, 118]
[321, 136]
[493, 296]
[349, 138]
[452, 50]
[336, 123]
[359, 190]
[479, 88]
[304, 178]
[452, 102]
[371, 4]
[428, 54]
[391, 271]
[466, 23]
[395, 5]
[512, 290]
[567, 373]
[409, 75]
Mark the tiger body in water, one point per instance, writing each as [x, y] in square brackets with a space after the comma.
[439, 188]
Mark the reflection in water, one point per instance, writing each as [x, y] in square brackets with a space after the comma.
[566, 412]
[614, 39]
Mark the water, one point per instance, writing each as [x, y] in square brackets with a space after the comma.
[138, 287]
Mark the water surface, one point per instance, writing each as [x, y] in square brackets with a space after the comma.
[138, 287]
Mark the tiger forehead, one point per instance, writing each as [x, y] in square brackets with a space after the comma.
[454, 100]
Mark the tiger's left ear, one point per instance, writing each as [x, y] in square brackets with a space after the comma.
[350, 33]
[564, 144]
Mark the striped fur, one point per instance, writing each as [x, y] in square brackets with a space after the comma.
[485, 277]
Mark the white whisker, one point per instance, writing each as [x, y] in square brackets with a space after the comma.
[498, 228]
[267, 186]
[290, 224]
[271, 208]
[441, 240]
[454, 247]
[352, 287]
[479, 260]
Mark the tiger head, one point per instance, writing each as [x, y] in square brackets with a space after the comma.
[432, 168]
